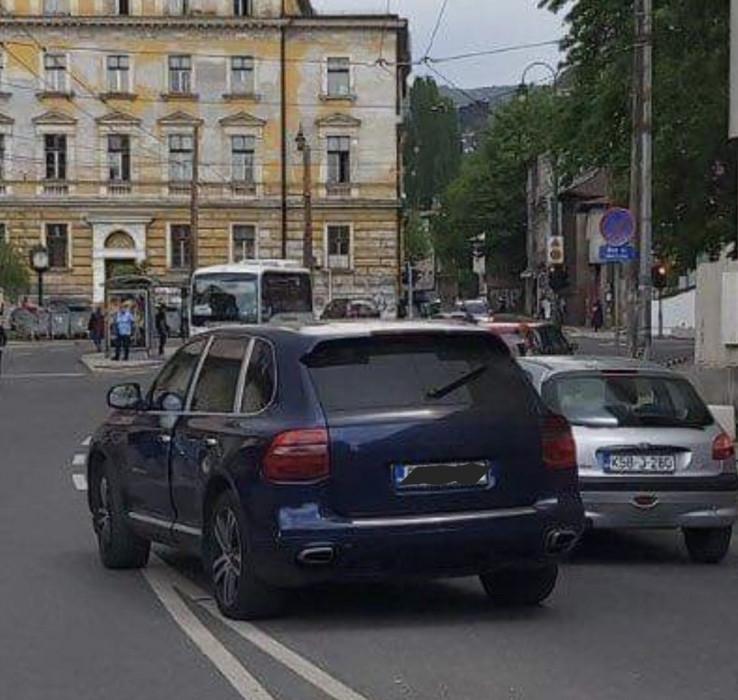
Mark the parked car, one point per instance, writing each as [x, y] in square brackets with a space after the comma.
[650, 453]
[533, 338]
[341, 309]
[477, 309]
[338, 452]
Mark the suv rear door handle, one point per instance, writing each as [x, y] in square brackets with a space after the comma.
[165, 439]
[210, 442]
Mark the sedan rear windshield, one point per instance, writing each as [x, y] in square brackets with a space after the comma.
[420, 371]
[619, 400]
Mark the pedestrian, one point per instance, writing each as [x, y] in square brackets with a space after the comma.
[96, 328]
[124, 323]
[3, 343]
[598, 316]
[546, 308]
[162, 328]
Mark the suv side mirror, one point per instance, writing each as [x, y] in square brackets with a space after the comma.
[125, 397]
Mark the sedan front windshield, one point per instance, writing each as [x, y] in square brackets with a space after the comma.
[620, 400]
[225, 298]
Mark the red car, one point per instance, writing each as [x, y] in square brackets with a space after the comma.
[533, 338]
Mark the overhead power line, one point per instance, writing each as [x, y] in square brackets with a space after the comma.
[436, 27]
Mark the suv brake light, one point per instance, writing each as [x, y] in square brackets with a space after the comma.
[723, 448]
[559, 448]
[298, 456]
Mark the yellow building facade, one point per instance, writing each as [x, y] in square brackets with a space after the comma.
[107, 106]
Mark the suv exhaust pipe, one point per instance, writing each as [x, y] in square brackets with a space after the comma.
[560, 541]
[322, 555]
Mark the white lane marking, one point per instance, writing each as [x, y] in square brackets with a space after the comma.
[44, 375]
[292, 660]
[86, 442]
[242, 681]
[80, 460]
[296, 663]
[80, 482]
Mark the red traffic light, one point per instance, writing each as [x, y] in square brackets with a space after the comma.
[659, 276]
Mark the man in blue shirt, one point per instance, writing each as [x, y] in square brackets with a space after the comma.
[124, 324]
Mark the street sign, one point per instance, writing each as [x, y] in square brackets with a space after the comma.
[618, 227]
[622, 253]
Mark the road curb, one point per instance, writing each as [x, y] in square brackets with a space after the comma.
[99, 364]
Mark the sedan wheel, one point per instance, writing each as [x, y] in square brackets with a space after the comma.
[227, 556]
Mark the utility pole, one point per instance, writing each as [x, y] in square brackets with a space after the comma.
[641, 190]
[307, 196]
[195, 199]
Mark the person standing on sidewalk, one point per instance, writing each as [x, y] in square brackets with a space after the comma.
[96, 328]
[598, 316]
[124, 323]
[3, 343]
[162, 327]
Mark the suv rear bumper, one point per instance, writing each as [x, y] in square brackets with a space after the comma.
[661, 504]
[312, 547]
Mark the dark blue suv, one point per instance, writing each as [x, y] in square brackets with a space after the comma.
[339, 452]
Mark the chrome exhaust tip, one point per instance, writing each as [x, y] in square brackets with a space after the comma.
[560, 541]
[323, 555]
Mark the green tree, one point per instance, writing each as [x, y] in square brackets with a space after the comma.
[694, 170]
[432, 145]
[489, 197]
[14, 274]
[418, 243]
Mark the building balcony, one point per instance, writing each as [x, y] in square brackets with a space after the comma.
[55, 188]
[119, 188]
[339, 190]
[180, 188]
[243, 189]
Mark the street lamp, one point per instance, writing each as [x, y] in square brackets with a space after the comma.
[555, 215]
[40, 263]
[307, 195]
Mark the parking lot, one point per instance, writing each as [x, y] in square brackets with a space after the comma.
[631, 618]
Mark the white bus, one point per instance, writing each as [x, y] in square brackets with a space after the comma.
[253, 292]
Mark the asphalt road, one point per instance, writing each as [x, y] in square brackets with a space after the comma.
[664, 349]
[631, 619]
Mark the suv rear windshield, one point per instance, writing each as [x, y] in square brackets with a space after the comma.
[627, 401]
[419, 371]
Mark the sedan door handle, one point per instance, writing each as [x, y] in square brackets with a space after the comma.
[210, 442]
[165, 439]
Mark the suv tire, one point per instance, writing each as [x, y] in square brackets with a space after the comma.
[520, 587]
[239, 593]
[119, 546]
[709, 545]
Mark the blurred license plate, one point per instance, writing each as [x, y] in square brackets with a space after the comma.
[640, 464]
[436, 476]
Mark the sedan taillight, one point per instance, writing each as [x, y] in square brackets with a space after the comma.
[298, 456]
[723, 448]
[559, 448]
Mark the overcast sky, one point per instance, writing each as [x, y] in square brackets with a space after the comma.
[471, 25]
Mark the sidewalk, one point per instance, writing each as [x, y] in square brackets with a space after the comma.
[97, 362]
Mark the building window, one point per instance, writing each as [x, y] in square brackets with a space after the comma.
[55, 148]
[242, 158]
[339, 247]
[123, 7]
[177, 7]
[4, 234]
[242, 8]
[56, 7]
[339, 160]
[180, 157]
[119, 74]
[119, 158]
[339, 77]
[2, 156]
[55, 71]
[180, 75]
[180, 241]
[244, 242]
[242, 75]
[2, 67]
[57, 243]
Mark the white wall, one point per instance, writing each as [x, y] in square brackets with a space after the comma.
[679, 314]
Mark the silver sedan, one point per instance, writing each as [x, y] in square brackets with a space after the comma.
[650, 453]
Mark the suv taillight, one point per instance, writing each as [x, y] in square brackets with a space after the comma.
[723, 448]
[298, 456]
[559, 448]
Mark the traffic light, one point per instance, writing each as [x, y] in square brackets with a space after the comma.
[659, 275]
[558, 278]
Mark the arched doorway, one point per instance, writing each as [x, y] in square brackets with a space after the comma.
[120, 255]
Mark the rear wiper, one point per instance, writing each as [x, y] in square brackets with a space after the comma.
[449, 388]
